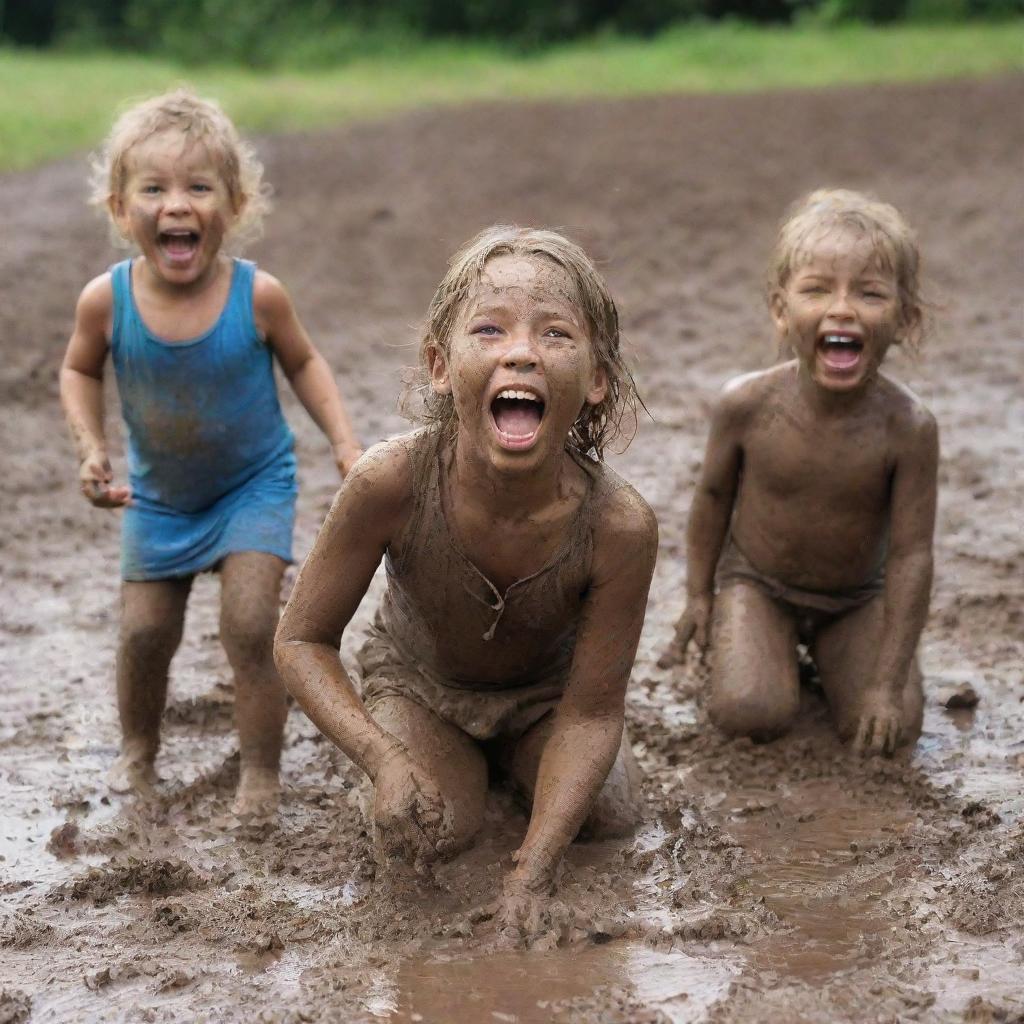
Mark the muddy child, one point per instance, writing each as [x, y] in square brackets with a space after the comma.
[193, 334]
[814, 514]
[518, 567]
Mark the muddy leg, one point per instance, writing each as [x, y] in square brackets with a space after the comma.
[250, 595]
[452, 760]
[152, 617]
[845, 652]
[619, 804]
[755, 689]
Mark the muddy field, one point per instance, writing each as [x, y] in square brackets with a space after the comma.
[784, 882]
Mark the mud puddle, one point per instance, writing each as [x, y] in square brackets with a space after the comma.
[537, 988]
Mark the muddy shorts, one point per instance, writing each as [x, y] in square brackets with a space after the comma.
[811, 608]
[484, 714]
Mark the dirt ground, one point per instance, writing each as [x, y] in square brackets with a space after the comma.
[784, 882]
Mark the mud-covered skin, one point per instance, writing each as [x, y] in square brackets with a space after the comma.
[512, 510]
[751, 905]
[819, 474]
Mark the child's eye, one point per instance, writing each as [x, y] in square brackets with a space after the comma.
[556, 332]
[201, 187]
[487, 330]
[150, 190]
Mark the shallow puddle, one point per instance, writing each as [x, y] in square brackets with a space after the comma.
[533, 988]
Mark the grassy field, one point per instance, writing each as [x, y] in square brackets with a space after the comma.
[53, 104]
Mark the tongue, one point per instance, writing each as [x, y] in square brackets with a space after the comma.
[178, 245]
[843, 358]
[516, 418]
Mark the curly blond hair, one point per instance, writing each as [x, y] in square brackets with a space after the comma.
[200, 121]
[892, 240]
[597, 425]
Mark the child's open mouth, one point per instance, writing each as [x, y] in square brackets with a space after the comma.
[178, 246]
[840, 352]
[517, 415]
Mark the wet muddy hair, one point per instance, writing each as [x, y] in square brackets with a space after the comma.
[891, 238]
[597, 425]
[200, 121]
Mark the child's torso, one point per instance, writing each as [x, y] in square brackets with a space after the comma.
[813, 504]
[450, 619]
[202, 413]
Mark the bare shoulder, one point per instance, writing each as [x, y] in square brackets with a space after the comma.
[741, 397]
[270, 299]
[910, 421]
[382, 480]
[96, 303]
[625, 528]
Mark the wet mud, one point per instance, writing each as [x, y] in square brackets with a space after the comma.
[783, 882]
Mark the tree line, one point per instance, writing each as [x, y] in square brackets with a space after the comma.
[259, 32]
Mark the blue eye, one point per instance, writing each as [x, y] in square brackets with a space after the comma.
[555, 332]
[487, 330]
[150, 190]
[201, 187]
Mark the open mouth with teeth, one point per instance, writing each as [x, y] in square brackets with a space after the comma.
[178, 246]
[840, 352]
[517, 416]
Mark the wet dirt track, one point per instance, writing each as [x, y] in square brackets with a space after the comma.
[776, 883]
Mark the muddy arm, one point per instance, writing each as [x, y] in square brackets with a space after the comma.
[366, 512]
[306, 369]
[908, 567]
[587, 727]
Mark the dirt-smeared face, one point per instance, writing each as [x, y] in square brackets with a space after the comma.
[176, 207]
[520, 364]
[840, 310]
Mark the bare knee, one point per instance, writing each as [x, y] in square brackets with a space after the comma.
[761, 716]
[149, 640]
[248, 636]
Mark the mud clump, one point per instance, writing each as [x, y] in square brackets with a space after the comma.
[131, 877]
[15, 1006]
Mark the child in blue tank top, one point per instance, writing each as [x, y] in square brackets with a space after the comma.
[211, 472]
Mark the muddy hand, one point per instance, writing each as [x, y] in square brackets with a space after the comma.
[94, 476]
[413, 824]
[524, 911]
[880, 726]
[692, 625]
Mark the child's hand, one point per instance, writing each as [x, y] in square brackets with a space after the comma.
[880, 727]
[693, 624]
[94, 476]
[413, 823]
[346, 455]
[524, 911]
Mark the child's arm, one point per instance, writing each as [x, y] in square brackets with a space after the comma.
[306, 369]
[366, 513]
[588, 722]
[81, 394]
[908, 580]
[708, 525]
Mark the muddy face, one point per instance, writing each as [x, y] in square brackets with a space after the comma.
[840, 310]
[520, 364]
[177, 208]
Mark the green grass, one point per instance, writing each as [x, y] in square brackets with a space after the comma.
[52, 104]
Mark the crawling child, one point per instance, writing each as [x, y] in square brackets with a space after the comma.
[517, 565]
[814, 514]
[193, 335]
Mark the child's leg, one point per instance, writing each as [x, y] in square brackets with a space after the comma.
[845, 652]
[755, 689]
[617, 808]
[249, 602]
[152, 617]
[453, 761]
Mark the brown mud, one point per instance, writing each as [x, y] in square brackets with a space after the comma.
[786, 882]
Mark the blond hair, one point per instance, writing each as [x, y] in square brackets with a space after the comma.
[596, 425]
[892, 240]
[200, 121]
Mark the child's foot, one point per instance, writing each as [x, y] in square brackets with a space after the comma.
[258, 794]
[132, 773]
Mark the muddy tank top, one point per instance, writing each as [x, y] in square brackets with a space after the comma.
[203, 415]
[448, 619]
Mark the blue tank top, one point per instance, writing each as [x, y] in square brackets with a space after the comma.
[203, 415]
